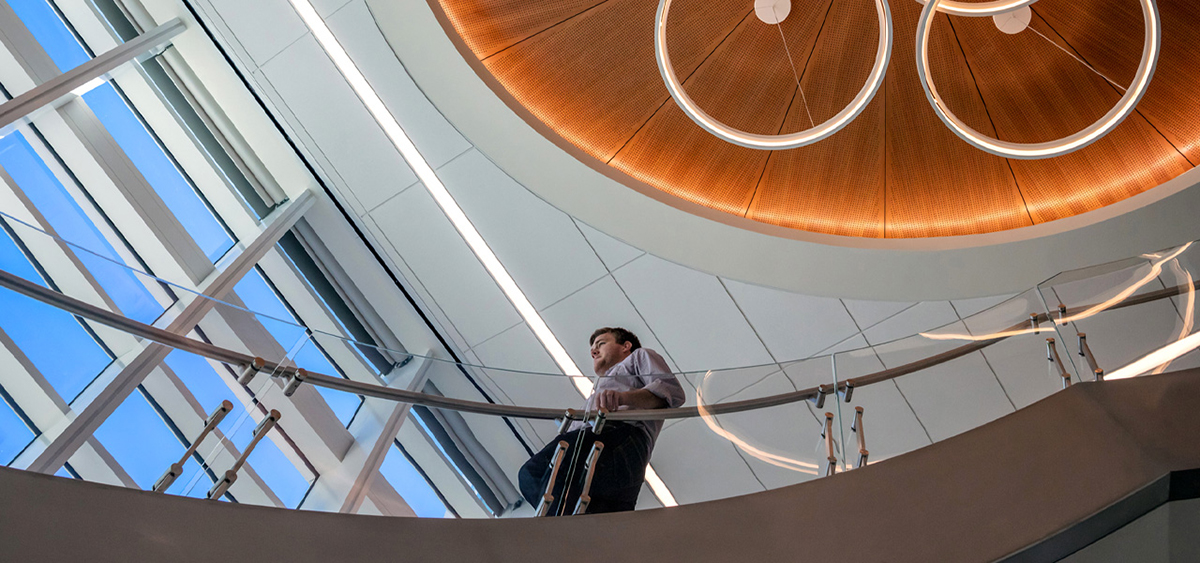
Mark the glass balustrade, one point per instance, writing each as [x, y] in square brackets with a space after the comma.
[323, 420]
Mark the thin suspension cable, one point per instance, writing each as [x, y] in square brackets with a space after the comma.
[803, 98]
[1081, 61]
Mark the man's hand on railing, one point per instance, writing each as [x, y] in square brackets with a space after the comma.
[637, 399]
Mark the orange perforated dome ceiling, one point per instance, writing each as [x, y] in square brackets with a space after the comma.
[586, 69]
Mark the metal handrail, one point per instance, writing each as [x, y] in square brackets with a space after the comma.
[224, 355]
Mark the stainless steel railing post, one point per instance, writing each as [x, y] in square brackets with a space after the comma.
[555, 463]
[819, 399]
[589, 469]
[1033, 322]
[847, 391]
[1086, 352]
[251, 370]
[857, 428]
[597, 422]
[230, 476]
[830, 458]
[176, 469]
[566, 422]
[297, 378]
[1057, 363]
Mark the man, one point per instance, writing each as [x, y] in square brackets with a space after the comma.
[631, 377]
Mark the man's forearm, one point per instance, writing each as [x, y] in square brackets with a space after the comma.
[643, 399]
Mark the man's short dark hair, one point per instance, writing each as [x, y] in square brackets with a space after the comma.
[619, 334]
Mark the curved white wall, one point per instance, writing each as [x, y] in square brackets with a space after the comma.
[736, 248]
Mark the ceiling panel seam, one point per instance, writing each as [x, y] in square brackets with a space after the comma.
[684, 82]
[597, 253]
[545, 29]
[986, 362]
[337, 202]
[1137, 109]
[786, 111]
[881, 362]
[988, 112]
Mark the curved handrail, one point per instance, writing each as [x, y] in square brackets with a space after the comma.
[224, 355]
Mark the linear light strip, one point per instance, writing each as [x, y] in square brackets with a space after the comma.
[1167, 354]
[1159, 357]
[391, 127]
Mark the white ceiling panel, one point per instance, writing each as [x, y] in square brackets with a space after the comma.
[720, 386]
[788, 431]
[954, 397]
[889, 424]
[891, 427]
[518, 349]
[856, 342]
[1021, 366]
[1120, 336]
[612, 252]
[539, 245]
[1097, 289]
[1006, 315]
[869, 313]
[854, 360]
[262, 42]
[418, 232]
[417, 289]
[806, 374]
[692, 315]
[598, 305]
[793, 326]
[338, 123]
[921, 317]
[698, 465]
[535, 432]
[968, 307]
[434, 137]
[325, 8]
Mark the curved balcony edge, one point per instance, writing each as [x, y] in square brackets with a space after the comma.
[1037, 482]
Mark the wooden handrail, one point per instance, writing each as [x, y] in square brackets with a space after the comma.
[224, 355]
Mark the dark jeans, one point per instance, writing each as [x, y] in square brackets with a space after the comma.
[620, 470]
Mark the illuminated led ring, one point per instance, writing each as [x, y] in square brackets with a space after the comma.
[1124, 107]
[775, 142]
[980, 8]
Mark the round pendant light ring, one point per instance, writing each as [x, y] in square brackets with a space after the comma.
[821, 131]
[1025, 151]
[979, 9]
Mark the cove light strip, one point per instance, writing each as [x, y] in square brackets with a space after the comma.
[391, 127]
[1157, 358]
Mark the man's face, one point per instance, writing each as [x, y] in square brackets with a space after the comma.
[606, 353]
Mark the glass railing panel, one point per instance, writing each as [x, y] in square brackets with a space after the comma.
[1117, 335]
[942, 382]
[1019, 361]
[784, 444]
[273, 473]
[890, 425]
[946, 398]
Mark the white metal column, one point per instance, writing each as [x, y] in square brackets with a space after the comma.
[86, 422]
[55, 88]
[375, 428]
